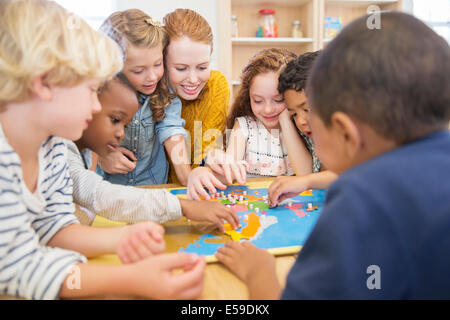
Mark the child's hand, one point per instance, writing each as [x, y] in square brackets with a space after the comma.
[213, 212]
[284, 187]
[140, 241]
[198, 179]
[154, 277]
[120, 161]
[222, 163]
[245, 260]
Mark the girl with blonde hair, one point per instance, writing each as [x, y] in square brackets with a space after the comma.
[48, 89]
[141, 159]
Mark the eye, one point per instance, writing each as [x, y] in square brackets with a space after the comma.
[180, 69]
[279, 100]
[203, 68]
[293, 115]
[158, 64]
[257, 101]
[137, 71]
[114, 120]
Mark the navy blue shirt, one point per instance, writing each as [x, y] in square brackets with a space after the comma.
[384, 232]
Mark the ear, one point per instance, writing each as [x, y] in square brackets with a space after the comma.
[348, 133]
[41, 88]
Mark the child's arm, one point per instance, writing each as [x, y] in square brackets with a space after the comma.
[298, 154]
[230, 165]
[131, 242]
[150, 278]
[128, 204]
[255, 267]
[285, 187]
[177, 150]
[171, 133]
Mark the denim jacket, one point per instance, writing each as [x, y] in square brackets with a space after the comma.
[145, 139]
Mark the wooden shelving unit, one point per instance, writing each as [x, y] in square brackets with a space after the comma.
[235, 52]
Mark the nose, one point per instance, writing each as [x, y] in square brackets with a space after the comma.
[151, 76]
[120, 132]
[193, 78]
[268, 108]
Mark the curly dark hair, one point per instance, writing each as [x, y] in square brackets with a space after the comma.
[296, 72]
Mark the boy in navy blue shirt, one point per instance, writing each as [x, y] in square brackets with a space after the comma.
[380, 110]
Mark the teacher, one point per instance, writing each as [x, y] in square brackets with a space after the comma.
[204, 93]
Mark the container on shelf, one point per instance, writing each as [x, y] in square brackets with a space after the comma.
[234, 26]
[267, 27]
[296, 31]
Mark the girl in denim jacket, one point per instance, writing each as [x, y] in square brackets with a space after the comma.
[141, 158]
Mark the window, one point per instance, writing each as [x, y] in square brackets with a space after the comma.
[93, 11]
[435, 13]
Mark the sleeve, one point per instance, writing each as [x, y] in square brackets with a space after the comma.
[57, 188]
[118, 202]
[351, 236]
[172, 124]
[27, 269]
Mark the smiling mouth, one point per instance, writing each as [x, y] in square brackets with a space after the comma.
[150, 86]
[271, 118]
[190, 89]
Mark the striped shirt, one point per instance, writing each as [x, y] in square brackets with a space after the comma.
[115, 201]
[28, 268]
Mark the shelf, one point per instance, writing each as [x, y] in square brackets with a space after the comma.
[279, 41]
[268, 2]
[360, 3]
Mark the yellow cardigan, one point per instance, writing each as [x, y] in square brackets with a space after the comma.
[211, 108]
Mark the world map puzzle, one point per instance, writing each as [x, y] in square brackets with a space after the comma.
[281, 230]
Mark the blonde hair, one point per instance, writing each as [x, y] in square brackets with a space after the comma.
[39, 37]
[136, 28]
[188, 23]
[269, 60]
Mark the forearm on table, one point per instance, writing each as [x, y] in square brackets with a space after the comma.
[89, 280]
[320, 180]
[88, 241]
[264, 286]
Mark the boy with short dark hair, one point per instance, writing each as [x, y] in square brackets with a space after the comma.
[380, 108]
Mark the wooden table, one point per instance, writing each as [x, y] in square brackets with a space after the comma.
[220, 284]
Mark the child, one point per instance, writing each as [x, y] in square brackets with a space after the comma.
[292, 84]
[379, 115]
[104, 134]
[255, 145]
[41, 69]
[141, 160]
